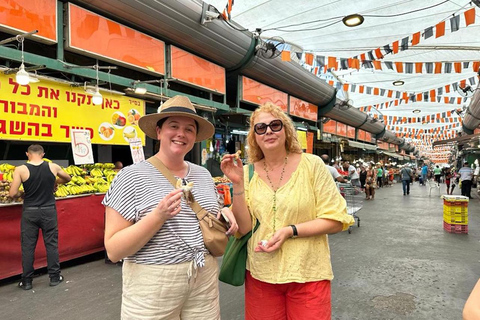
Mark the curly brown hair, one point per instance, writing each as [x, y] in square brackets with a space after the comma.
[291, 140]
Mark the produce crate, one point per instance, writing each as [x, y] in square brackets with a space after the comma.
[451, 198]
[455, 218]
[455, 228]
[457, 209]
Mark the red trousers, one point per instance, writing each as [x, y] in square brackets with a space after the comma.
[289, 301]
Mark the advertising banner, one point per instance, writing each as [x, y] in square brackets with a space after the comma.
[48, 110]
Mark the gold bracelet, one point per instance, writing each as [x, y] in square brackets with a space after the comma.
[239, 193]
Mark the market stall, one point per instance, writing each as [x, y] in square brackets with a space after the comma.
[80, 232]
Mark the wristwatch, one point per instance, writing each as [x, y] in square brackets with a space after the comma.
[295, 232]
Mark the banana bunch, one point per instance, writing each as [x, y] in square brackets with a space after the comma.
[62, 191]
[5, 167]
[78, 180]
[74, 171]
[96, 172]
[101, 187]
[110, 177]
[108, 166]
[8, 176]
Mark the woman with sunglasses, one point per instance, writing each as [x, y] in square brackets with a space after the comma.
[296, 202]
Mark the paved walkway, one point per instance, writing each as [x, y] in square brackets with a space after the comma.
[400, 264]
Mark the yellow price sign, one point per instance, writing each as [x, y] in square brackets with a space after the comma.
[48, 110]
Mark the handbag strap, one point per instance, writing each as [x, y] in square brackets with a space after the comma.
[251, 171]
[157, 163]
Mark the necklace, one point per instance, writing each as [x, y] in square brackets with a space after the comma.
[274, 208]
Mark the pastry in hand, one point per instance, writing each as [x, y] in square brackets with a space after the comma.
[187, 190]
[237, 154]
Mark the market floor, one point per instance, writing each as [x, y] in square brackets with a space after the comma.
[399, 264]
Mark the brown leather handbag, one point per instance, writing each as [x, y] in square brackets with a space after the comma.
[213, 230]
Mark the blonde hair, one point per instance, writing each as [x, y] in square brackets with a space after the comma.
[291, 141]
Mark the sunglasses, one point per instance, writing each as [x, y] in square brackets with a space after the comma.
[275, 126]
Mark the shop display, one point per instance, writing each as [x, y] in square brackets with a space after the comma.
[89, 178]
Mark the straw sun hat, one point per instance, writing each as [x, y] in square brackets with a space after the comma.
[178, 106]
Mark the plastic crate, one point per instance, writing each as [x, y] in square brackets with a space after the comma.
[455, 218]
[455, 228]
[455, 210]
[455, 203]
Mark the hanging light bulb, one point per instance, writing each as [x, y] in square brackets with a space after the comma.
[97, 98]
[22, 77]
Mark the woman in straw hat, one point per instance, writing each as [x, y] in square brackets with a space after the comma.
[296, 201]
[167, 271]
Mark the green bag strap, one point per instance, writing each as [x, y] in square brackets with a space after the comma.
[251, 171]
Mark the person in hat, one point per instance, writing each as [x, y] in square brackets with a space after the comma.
[297, 203]
[167, 271]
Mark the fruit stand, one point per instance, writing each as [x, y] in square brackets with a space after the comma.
[80, 232]
[47, 113]
[80, 217]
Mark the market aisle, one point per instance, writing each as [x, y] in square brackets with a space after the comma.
[399, 264]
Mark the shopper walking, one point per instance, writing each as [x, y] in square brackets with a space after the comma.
[379, 175]
[297, 204]
[39, 179]
[167, 271]
[406, 174]
[370, 184]
[437, 172]
[466, 176]
[424, 174]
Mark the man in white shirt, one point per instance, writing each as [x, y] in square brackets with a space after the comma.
[335, 175]
[466, 176]
[352, 173]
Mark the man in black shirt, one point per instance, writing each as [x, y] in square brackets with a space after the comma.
[39, 212]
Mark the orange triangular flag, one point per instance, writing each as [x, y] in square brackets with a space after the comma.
[395, 47]
[419, 96]
[390, 93]
[378, 53]
[361, 89]
[345, 87]
[438, 67]
[463, 83]
[416, 39]
[458, 67]
[377, 64]
[309, 58]
[376, 91]
[286, 55]
[399, 66]
[418, 67]
[447, 89]
[459, 100]
[332, 63]
[476, 66]
[432, 95]
[440, 29]
[362, 57]
[470, 16]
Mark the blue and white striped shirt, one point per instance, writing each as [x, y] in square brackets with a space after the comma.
[137, 190]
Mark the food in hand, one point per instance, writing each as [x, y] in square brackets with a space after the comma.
[237, 154]
[187, 190]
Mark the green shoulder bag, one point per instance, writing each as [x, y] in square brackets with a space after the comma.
[234, 263]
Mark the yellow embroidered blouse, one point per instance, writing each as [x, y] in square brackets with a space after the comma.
[309, 194]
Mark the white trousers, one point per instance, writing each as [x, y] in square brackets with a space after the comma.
[171, 292]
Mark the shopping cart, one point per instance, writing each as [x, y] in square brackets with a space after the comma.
[353, 205]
